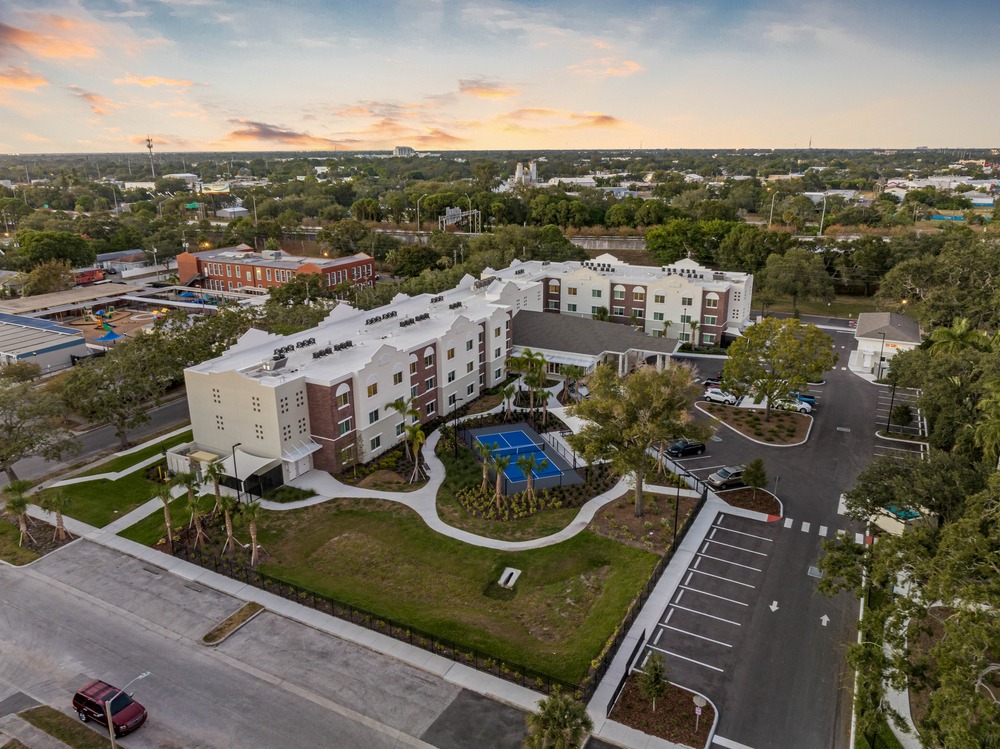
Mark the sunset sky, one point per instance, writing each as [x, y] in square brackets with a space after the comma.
[99, 75]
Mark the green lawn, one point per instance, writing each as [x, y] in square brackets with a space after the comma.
[841, 306]
[127, 461]
[151, 528]
[381, 557]
[68, 730]
[99, 502]
[468, 470]
[9, 550]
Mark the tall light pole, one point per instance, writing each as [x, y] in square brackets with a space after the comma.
[771, 217]
[822, 216]
[155, 266]
[418, 213]
[107, 708]
[236, 474]
[880, 357]
[684, 314]
[454, 424]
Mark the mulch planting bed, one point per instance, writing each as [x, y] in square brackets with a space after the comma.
[673, 720]
[42, 533]
[745, 499]
[653, 531]
[784, 427]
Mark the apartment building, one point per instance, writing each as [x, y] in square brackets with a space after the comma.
[241, 269]
[277, 406]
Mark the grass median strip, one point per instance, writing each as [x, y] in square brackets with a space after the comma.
[68, 730]
[232, 622]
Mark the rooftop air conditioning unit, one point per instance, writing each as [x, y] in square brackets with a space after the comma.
[275, 363]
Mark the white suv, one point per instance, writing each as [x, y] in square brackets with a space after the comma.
[792, 405]
[715, 395]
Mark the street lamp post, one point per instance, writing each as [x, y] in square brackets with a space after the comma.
[881, 357]
[822, 217]
[107, 708]
[677, 502]
[684, 314]
[454, 424]
[418, 213]
[236, 473]
[770, 218]
[155, 266]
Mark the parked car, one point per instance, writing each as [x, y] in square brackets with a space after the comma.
[685, 447]
[715, 395]
[726, 478]
[792, 405]
[90, 704]
[804, 397]
[712, 382]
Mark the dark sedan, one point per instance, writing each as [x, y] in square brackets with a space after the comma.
[685, 447]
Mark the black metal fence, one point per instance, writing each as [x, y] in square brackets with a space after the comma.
[513, 672]
[628, 669]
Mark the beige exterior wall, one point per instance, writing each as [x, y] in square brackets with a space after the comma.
[380, 373]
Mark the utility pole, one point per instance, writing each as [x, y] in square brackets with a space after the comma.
[149, 145]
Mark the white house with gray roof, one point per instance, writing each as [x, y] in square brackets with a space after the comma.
[880, 336]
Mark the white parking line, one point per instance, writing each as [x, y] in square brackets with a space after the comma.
[688, 581]
[695, 565]
[720, 577]
[685, 658]
[822, 531]
[735, 564]
[679, 594]
[710, 616]
[733, 546]
[805, 527]
[729, 743]
[859, 538]
[714, 595]
[656, 640]
[743, 533]
[666, 619]
[788, 522]
[700, 637]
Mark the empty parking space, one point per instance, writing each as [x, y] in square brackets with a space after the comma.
[889, 401]
[700, 632]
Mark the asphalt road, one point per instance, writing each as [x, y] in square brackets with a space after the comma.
[88, 612]
[783, 680]
[103, 440]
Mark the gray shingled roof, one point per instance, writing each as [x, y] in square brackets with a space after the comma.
[895, 326]
[581, 335]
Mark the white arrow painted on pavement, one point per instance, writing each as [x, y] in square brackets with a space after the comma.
[773, 606]
[825, 619]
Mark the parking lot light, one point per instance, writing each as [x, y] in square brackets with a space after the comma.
[107, 707]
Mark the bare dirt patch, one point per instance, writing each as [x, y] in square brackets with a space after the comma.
[389, 481]
[784, 427]
[745, 499]
[674, 719]
[654, 531]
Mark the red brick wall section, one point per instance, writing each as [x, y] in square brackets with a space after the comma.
[324, 416]
[187, 266]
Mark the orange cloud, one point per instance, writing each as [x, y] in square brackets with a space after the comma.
[149, 81]
[261, 131]
[69, 41]
[99, 105]
[34, 138]
[603, 67]
[484, 89]
[21, 78]
[438, 137]
[546, 120]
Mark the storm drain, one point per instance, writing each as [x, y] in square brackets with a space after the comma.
[814, 571]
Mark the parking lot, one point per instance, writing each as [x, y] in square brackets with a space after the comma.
[888, 400]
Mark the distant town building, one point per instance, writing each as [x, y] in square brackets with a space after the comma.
[403, 152]
[47, 344]
[241, 269]
[232, 213]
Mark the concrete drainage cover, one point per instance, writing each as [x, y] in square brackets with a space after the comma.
[814, 571]
[843, 429]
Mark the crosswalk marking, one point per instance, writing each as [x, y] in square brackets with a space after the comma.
[822, 531]
[805, 527]
[788, 522]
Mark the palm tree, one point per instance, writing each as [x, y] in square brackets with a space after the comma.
[544, 396]
[228, 503]
[987, 430]
[572, 373]
[666, 327]
[961, 335]
[500, 462]
[191, 483]
[404, 407]
[601, 313]
[485, 452]
[560, 723]
[55, 502]
[535, 375]
[694, 333]
[214, 473]
[528, 463]
[416, 434]
[508, 396]
[164, 493]
[251, 513]
[16, 496]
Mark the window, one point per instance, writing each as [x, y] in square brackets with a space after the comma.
[468, 345]
[452, 399]
[619, 293]
[497, 374]
[712, 302]
[397, 379]
[376, 443]
[431, 407]
[283, 404]
[228, 269]
[496, 353]
[659, 298]
[553, 288]
[596, 293]
[268, 273]
[413, 367]
[400, 429]
[470, 389]
[553, 304]
[658, 316]
[347, 455]
[302, 426]
[413, 391]
[258, 430]
[618, 311]
[373, 390]
[255, 404]
[638, 314]
[429, 360]
[219, 423]
[709, 320]
[469, 366]
[593, 310]
[496, 332]
[258, 273]
[708, 338]
[571, 291]
[343, 399]
[217, 396]
[249, 275]
[686, 301]
[639, 295]
[373, 416]
[451, 376]
[286, 432]
[685, 319]
[428, 384]
[684, 337]
[571, 308]
[451, 354]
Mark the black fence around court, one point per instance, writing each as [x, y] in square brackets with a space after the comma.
[491, 664]
[468, 656]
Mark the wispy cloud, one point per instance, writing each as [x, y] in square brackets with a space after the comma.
[483, 88]
[262, 132]
[606, 67]
[99, 105]
[540, 120]
[63, 39]
[21, 78]
[149, 81]
[35, 138]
